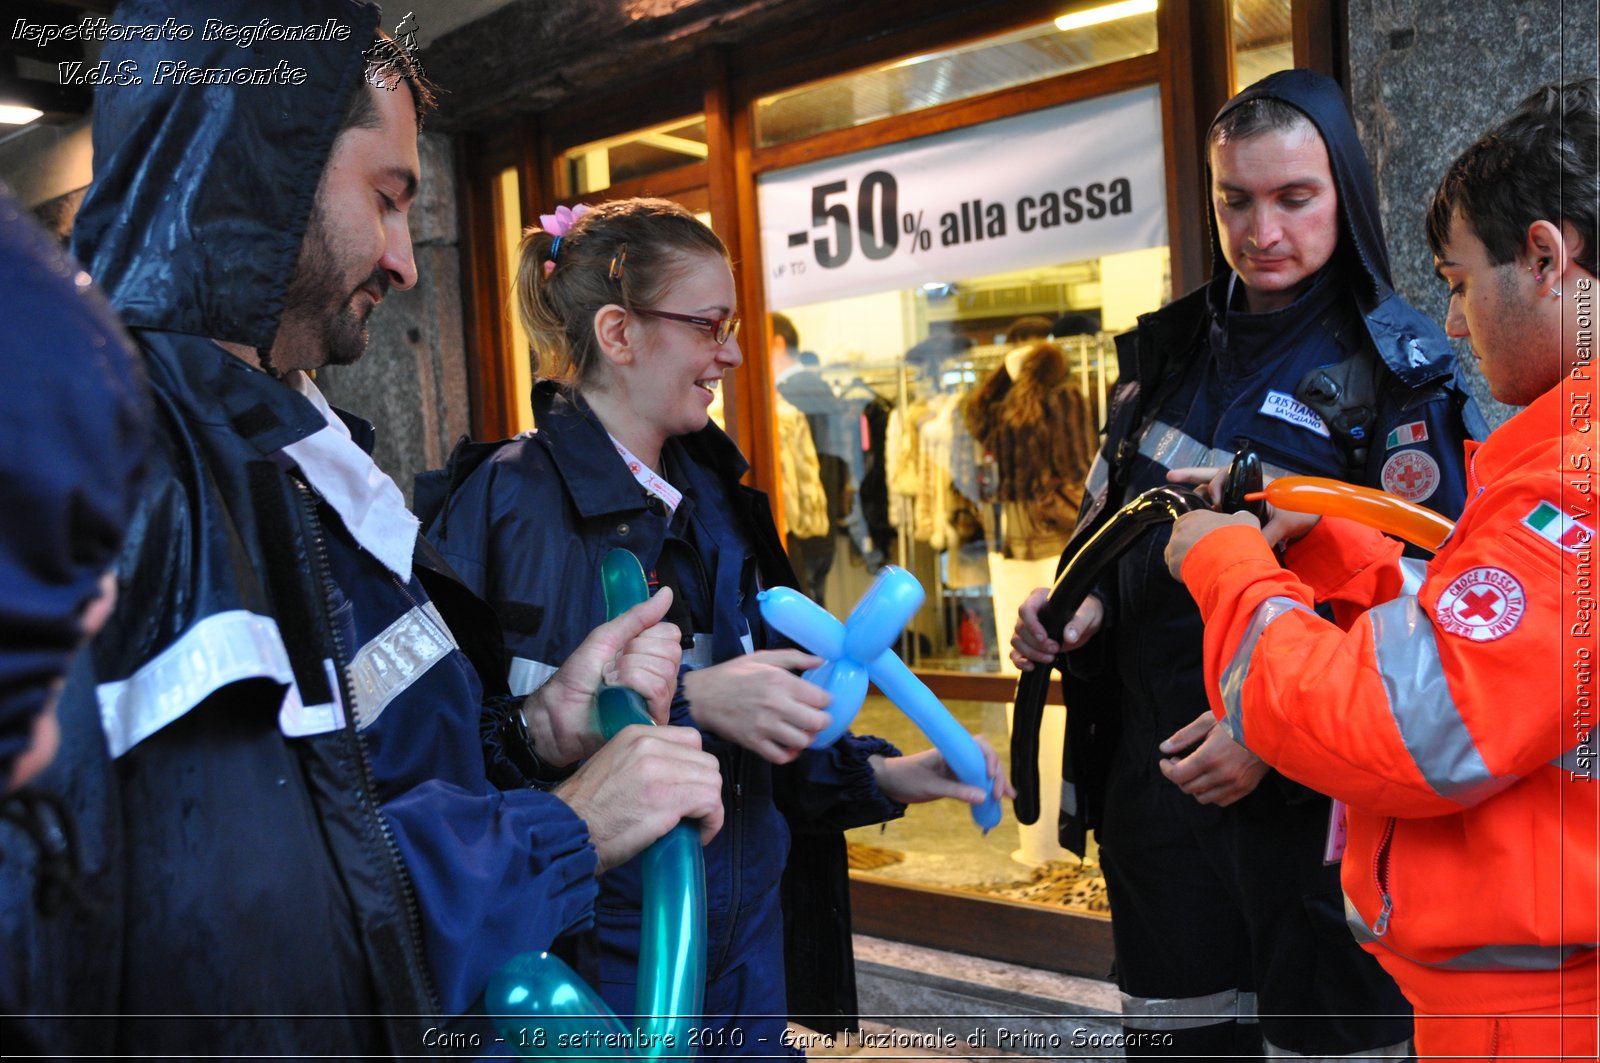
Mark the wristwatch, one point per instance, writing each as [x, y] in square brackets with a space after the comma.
[518, 746]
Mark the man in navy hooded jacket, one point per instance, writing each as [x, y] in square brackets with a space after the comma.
[287, 822]
[1222, 876]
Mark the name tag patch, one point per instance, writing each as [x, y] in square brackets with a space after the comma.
[1482, 604]
[1286, 407]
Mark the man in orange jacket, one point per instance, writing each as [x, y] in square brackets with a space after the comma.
[1452, 708]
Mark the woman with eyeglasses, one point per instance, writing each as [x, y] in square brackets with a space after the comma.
[632, 311]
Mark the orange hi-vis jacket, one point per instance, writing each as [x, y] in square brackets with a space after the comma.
[1452, 709]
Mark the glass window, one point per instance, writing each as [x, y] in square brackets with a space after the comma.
[937, 844]
[1263, 40]
[946, 448]
[598, 165]
[1119, 31]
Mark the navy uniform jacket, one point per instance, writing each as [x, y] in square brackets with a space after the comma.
[528, 528]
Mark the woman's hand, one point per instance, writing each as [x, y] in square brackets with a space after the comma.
[925, 776]
[758, 702]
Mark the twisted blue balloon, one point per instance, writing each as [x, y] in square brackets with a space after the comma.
[541, 1007]
[858, 650]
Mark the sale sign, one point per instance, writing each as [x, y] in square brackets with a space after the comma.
[1059, 185]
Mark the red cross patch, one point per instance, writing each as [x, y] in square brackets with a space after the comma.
[1411, 474]
[1482, 604]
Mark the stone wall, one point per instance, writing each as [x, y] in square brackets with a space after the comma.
[1425, 80]
[413, 381]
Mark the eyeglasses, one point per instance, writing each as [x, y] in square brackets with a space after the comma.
[721, 329]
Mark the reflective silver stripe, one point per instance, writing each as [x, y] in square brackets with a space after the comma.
[297, 719]
[1397, 1051]
[1515, 958]
[1233, 676]
[1482, 958]
[214, 652]
[1167, 1013]
[527, 675]
[1099, 475]
[1173, 448]
[390, 663]
[1430, 725]
[1579, 761]
[1412, 573]
[700, 655]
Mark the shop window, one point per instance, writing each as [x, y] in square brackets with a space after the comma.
[1087, 37]
[1262, 40]
[598, 165]
[938, 844]
[951, 303]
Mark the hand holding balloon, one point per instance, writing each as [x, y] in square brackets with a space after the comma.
[672, 951]
[1377, 509]
[859, 649]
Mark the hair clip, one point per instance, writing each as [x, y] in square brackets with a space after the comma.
[618, 261]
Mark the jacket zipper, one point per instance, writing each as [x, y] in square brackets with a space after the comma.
[735, 861]
[1380, 875]
[322, 573]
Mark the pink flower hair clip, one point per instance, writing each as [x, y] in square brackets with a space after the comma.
[559, 225]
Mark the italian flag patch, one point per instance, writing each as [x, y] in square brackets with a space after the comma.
[1549, 522]
[1406, 434]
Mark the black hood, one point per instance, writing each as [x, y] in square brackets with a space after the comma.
[1411, 345]
[201, 193]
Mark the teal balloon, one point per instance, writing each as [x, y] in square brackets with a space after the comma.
[672, 950]
[543, 1009]
[859, 650]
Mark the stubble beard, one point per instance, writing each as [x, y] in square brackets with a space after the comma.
[320, 322]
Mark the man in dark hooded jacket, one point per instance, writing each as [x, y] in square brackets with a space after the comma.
[288, 830]
[1223, 877]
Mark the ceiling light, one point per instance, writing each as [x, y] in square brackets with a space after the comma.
[1104, 13]
[13, 115]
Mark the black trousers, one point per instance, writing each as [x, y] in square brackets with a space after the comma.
[1206, 901]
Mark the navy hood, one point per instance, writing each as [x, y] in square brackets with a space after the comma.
[74, 433]
[1413, 346]
[202, 192]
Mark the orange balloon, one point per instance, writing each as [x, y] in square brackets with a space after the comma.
[1367, 505]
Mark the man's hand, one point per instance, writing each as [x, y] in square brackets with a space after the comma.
[1219, 772]
[925, 776]
[757, 702]
[1191, 528]
[639, 785]
[1283, 526]
[1031, 644]
[636, 649]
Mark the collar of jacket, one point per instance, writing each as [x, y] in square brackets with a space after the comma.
[212, 387]
[594, 474]
[1412, 347]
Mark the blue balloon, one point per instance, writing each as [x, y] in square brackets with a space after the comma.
[860, 649]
